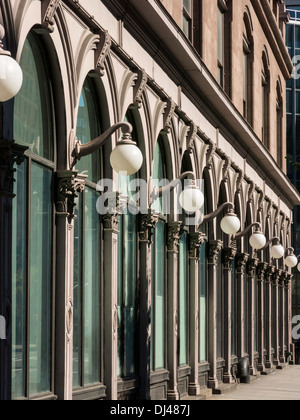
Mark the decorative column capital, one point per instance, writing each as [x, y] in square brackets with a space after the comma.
[228, 255]
[196, 239]
[251, 266]
[147, 222]
[275, 277]
[288, 281]
[10, 153]
[214, 248]
[261, 269]
[173, 236]
[241, 260]
[110, 219]
[269, 273]
[283, 278]
[69, 184]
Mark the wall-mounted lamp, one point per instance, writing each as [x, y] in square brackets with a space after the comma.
[257, 239]
[11, 75]
[230, 224]
[126, 157]
[290, 258]
[191, 198]
[277, 250]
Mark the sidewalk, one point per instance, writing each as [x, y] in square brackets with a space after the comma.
[281, 385]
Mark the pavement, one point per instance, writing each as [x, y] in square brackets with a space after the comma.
[281, 385]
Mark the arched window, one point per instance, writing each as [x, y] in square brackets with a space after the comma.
[127, 273]
[158, 253]
[248, 54]
[33, 228]
[87, 247]
[265, 80]
[279, 124]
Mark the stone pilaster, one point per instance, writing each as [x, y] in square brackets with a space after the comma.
[147, 223]
[228, 256]
[261, 268]
[251, 271]
[275, 281]
[240, 265]
[172, 305]
[196, 239]
[268, 322]
[214, 248]
[68, 185]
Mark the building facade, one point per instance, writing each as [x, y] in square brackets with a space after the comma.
[152, 304]
[293, 86]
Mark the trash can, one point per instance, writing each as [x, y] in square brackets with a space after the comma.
[244, 370]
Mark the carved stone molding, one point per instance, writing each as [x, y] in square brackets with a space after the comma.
[228, 255]
[196, 239]
[69, 184]
[49, 8]
[241, 260]
[169, 112]
[191, 137]
[173, 236]
[139, 88]
[209, 155]
[214, 248]
[147, 222]
[102, 51]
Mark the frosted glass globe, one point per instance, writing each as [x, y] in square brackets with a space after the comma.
[291, 261]
[11, 78]
[277, 251]
[258, 240]
[191, 199]
[126, 158]
[230, 224]
[298, 267]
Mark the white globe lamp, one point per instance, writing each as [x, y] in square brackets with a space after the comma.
[126, 157]
[191, 199]
[230, 224]
[258, 240]
[291, 261]
[277, 252]
[11, 75]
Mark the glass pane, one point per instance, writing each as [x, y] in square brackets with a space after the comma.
[220, 37]
[33, 108]
[159, 297]
[187, 4]
[77, 314]
[120, 296]
[129, 262]
[19, 284]
[233, 311]
[203, 304]
[40, 280]
[91, 289]
[158, 177]
[88, 128]
[183, 322]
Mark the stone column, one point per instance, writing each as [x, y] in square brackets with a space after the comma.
[261, 268]
[213, 255]
[172, 307]
[68, 185]
[228, 257]
[110, 255]
[289, 339]
[282, 317]
[275, 324]
[10, 153]
[251, 269]
[241, 260]
[147, 223]
[269, 273]
[195, 241]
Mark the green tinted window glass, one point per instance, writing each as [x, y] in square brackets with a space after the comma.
[33, 106]
[203, 304]
[183, 309]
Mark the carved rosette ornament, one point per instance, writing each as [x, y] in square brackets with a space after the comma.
[69, 185]
[173, 236]
[214, 248]
[147, 223]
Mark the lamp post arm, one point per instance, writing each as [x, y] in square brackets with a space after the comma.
[159, 192]
[244, 233]
[269, 242]
[211, 216]
[81, 150]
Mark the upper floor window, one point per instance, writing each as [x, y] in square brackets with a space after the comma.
[265, 77]
[248, 53]
[221, 46]
[187, 18]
